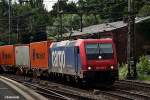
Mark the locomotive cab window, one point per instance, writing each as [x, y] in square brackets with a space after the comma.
[97, 51]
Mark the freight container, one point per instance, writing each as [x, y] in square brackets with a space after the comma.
[7, 55]
[22, 56]
[39, 54]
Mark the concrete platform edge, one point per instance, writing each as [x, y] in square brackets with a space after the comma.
[26, 92]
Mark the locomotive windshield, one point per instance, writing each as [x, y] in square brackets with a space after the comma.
[97, 51]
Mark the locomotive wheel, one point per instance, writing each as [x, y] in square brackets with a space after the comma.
[63, 78]
[53, 76]
[44, 74]
[50, 76]
[34, 74]
[59, 77]
[67, 78]
[72, 79]
[30, 73]
[56, 76]
[76, 79]
[1, 70]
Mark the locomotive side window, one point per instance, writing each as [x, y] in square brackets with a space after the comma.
[99, 51]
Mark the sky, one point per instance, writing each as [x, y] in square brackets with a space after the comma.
[49, 3]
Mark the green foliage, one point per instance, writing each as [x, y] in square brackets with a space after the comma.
[143, 66]
[91, 19]
[110, 10]
[144, 11]
[143, 69]
[144, 77]
[31, 17]
[122, 71]
[64, 7]
[3, 15]
[71, 21]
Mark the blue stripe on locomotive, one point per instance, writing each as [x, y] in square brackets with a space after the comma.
[71, 63]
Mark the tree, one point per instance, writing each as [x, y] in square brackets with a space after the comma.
[3, 15]
[64, 6]
[144, 11]
[26, 18]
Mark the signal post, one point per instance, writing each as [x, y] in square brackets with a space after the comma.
[131, 40]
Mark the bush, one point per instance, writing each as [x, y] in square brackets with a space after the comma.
[122, 71]
[143, 67]
[144, 11]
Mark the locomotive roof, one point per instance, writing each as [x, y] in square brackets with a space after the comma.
[69, 43]
[63, 43]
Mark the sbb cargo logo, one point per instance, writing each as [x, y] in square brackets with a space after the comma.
[58, 59]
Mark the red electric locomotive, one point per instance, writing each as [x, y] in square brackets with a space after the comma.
[88, 60]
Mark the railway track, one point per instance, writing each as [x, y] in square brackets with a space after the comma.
[56, 92]
[133, 94]
[125, 94]
[113, 95]
[133, 85]
[64, 92]
[46, 92]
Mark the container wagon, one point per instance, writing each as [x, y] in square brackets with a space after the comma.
[39, 57]
[22, 58]
[7, 58]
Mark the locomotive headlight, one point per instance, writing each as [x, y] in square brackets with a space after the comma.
[89, 68]
[111, 67]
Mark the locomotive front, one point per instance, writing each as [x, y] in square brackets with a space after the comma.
[99, 61]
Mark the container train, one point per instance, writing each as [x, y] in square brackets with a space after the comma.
[84, 60]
